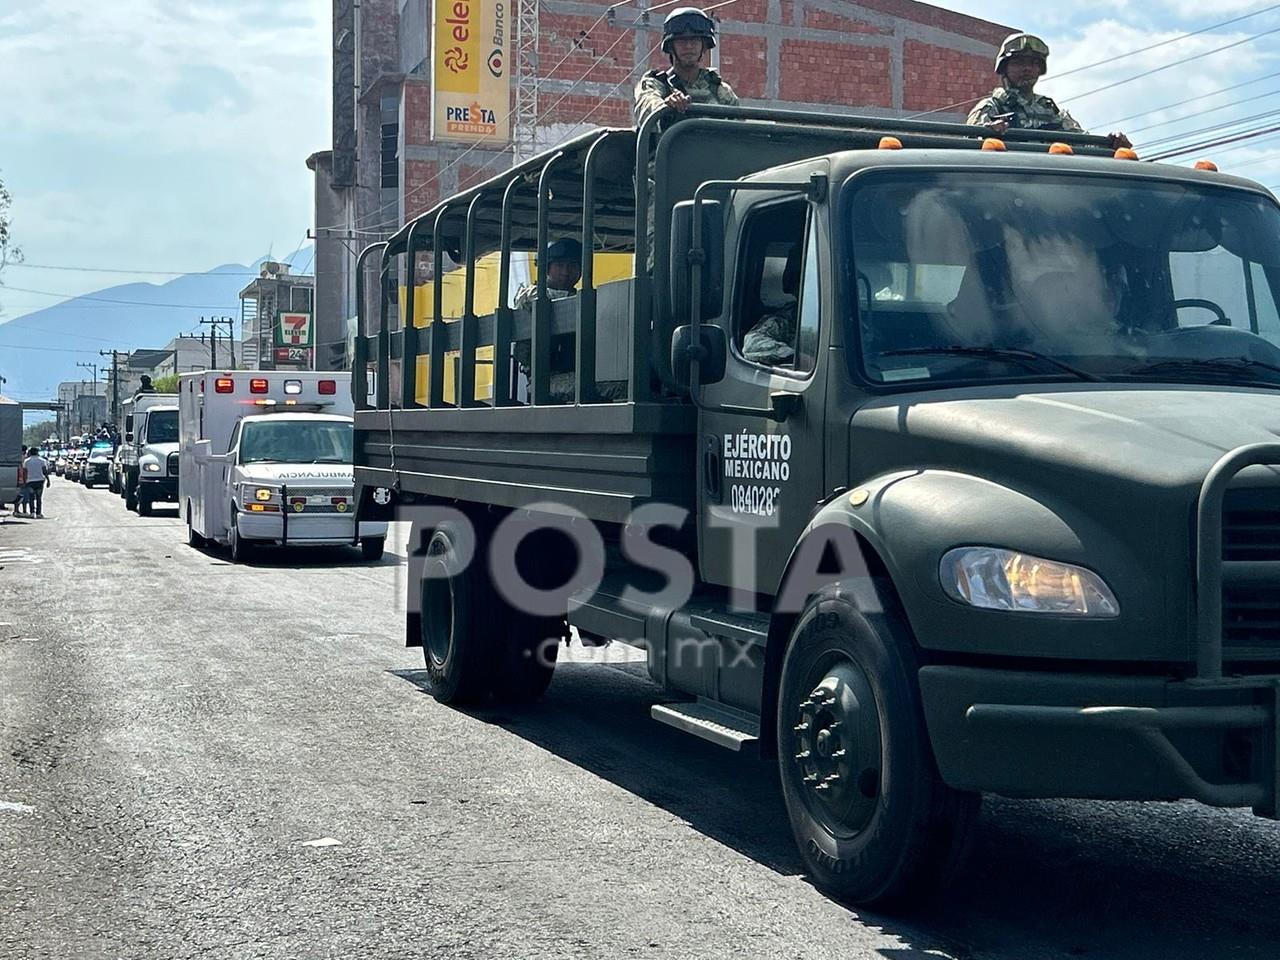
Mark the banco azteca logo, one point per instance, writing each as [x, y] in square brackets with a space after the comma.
[455, 59]
[496, 63]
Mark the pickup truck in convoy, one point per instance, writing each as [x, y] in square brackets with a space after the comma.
[938, 466]
[129, 463]
[265, 459]
[97, 463]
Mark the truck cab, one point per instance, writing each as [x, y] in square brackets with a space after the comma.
[128, 462]
[156, 445]
[265, 460]
[941, 467]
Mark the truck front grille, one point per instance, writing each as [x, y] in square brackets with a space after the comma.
[173, 464]
[1251, 611]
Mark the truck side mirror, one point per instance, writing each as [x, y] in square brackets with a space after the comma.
[202, 452]
[711, 350]
[683, 255]
[128, 437]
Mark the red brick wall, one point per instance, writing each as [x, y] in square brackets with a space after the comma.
[827, 57]
[814, 72]
[937, 77]
[743, 59]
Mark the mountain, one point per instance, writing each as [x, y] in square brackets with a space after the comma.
[38, 350]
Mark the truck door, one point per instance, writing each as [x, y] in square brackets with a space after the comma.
[759, 479]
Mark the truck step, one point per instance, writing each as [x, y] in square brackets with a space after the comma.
[722, 725]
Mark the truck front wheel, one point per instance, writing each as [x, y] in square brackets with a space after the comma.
[872, 817]
[130, 493]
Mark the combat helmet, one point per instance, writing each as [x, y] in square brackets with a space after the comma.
[688, 22]
[566, 248]
[1019, 44]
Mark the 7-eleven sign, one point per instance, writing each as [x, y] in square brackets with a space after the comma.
[294, 330]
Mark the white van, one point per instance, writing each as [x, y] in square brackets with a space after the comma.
[265, 458]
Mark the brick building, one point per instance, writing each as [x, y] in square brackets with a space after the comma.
[876, 57]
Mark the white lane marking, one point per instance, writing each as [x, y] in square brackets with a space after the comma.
[322, 842]
[8, 806]
[19, 556]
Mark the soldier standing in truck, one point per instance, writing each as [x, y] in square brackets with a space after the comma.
[1022, 61]
[688, 35]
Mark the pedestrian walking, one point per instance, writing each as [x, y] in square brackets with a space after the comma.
[37, 475]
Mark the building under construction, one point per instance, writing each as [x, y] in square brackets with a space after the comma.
[573, 65]
[277, 320]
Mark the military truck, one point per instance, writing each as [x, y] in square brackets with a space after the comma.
[995, 509]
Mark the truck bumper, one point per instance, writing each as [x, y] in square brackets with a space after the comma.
[329, 530]
[160, 490]
[1026, 734]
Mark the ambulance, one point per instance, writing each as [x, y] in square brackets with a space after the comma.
[265, 460]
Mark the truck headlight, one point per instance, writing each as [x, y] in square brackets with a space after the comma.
[994, 579]
[151, 467]
[262, 494]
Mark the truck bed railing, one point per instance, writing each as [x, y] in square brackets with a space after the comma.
[1213, 572]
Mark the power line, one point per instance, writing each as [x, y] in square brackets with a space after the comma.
[1210, 144]
[1183, 103]
[1201, 113]
[1212, 128]
[123, 270]
[127, 303]
[1170, 66]
[1111, 60]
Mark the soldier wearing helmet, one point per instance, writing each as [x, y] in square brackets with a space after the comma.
[564, 270]
[687, 35]
[1023, 60]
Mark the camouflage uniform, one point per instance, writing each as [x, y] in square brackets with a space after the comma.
[1030, 112]
[654, 88]
[772, 340]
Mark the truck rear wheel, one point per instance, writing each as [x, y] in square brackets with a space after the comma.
[193, 539]
[372, 548]
[870, 813]
[456, 603]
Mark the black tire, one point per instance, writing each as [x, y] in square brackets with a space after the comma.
[457, 622]
[531, 645]
[88, 484]
[144, 504]
[873, 820]
[241, 550]
[130, 494]
[372, 548]
[193, 539]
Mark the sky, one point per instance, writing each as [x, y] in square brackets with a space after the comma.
[165, 135]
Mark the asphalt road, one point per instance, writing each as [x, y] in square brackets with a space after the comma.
[175, 731]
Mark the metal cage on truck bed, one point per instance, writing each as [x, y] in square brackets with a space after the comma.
[622, 434]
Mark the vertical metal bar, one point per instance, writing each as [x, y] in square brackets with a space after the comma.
[585, 361]
[360, 351]
[642, 320]
[435, 374]
[466, 379]
[503, 392]
[540, 336]
[409, 356]
[383, 376]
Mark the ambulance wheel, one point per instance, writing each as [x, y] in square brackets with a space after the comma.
[193, 539]
[241, 549]
[372, 548]
[457, 602]
[873, 820]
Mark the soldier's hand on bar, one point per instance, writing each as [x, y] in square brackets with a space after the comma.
[678, 101]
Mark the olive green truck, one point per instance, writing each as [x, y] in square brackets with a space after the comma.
[925, 465]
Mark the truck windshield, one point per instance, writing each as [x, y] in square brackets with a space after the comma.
[162, 426]
[976, 276]
[295, 441]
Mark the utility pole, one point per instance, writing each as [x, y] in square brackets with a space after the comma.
[213, 323]
[115, 383]
[92, 368]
